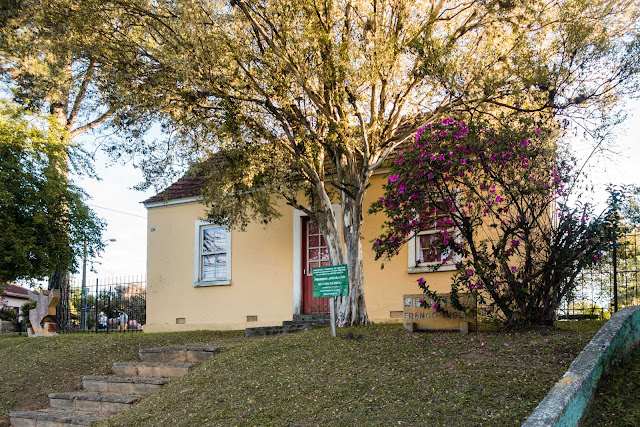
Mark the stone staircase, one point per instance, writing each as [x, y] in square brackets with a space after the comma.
[103, 396]
[300, 322]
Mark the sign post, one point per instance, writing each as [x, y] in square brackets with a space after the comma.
[331, 282]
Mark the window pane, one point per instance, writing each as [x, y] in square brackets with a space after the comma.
[214, 239]
[322, 241]
[214, 267]
[314, 241]
[209, 267]
[426, 252]
[221, 266]
[314, 255]
[325, 264]
[220, 239]
[324, 254]
[313, 229]
[313, 265]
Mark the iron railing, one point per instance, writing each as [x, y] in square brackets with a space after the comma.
[116, 304]
[609, 286]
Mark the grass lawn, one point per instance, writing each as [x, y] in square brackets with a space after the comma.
[617, 399]
[32, 368]
[387, 377]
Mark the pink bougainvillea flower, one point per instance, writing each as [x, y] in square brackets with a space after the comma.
[421, 282]
[506, 344]
[514, 268]
[393, 178]
[538, 130]
[484, 345]
[469, 272]
[435, 306]
[498, 199]
[463, 161]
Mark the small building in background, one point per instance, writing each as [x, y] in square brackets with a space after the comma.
[13, 298]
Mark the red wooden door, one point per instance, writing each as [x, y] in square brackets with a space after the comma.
[314, 254]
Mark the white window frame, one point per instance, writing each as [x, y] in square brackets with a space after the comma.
[428, 267]
[200, 226]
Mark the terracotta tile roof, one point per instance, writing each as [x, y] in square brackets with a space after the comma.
[187, 186]
[16, 291]
[191, 183]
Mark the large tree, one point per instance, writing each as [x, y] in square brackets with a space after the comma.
[44, 222]
[47, 65]
[313, 97]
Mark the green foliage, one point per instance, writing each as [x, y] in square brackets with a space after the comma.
[501, 201]
[24, 312]
[8, 315]
[44, 221]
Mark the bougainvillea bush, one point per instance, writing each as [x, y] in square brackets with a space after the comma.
[503, 204]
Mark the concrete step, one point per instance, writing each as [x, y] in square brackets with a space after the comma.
[92, 402]
[151, 369]
[54, 418]
[264, 331]
[310, 323]
[121, 385]
[311, 317]
[183, 354]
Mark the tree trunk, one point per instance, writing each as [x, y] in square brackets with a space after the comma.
[60, 280]
[353, 310]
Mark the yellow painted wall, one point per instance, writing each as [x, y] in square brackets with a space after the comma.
[261, 276]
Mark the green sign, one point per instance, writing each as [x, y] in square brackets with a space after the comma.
[330, 281]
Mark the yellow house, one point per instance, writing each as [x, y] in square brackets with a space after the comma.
[203, 276]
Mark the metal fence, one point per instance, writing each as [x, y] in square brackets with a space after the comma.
[107, 305]
[609, 286]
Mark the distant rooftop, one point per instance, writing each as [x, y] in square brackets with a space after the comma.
[16, 291]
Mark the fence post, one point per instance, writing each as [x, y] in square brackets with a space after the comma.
[615, 276]
[96, 304]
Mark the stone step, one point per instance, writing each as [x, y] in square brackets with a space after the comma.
[54, 418]
[312, 317]
[92, 402]
[151, 369]
[264, 331]
[310, 323]
[183, 354]
[121, 385]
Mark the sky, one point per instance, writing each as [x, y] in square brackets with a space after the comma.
[114, 199]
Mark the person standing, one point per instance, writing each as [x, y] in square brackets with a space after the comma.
[102, 321]
[124, 320]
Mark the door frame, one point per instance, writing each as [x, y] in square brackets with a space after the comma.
[297, 252]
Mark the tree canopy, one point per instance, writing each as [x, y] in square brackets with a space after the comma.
[44, 221]
[331, 89]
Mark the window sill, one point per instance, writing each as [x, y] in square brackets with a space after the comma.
[426, 268]
[211, 283]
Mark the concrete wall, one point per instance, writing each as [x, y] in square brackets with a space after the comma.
[566, 403]
[262, 276]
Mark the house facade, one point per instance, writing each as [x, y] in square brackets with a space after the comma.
[204, 276]
[14, 297]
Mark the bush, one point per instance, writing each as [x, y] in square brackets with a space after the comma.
[24, 312]
[499, 200]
